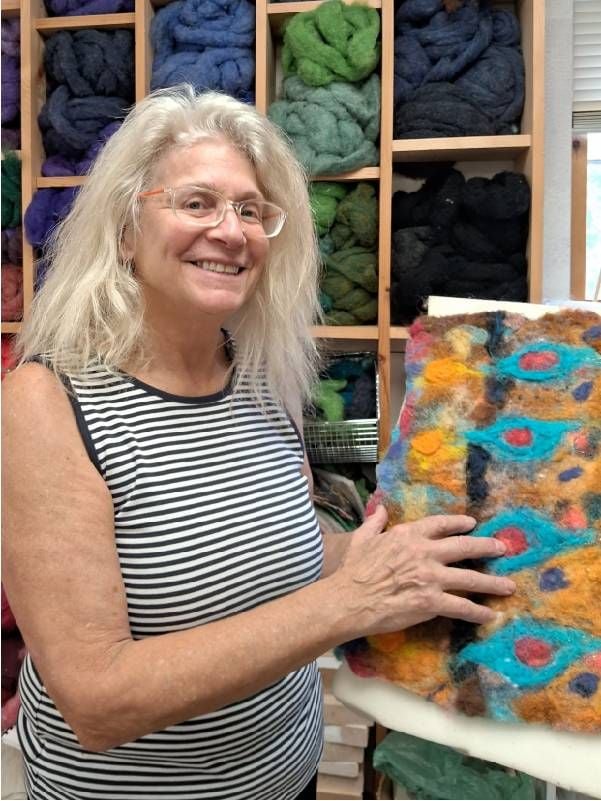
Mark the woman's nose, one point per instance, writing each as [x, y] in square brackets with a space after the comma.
[230, 229]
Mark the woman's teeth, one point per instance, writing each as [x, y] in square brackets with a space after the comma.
[216, 267]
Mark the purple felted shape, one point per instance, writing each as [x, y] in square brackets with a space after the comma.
[61, 165]
[68, 8]
[46, 210]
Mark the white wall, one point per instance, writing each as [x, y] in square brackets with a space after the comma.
[558, 149]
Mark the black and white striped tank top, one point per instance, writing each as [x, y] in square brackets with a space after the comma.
[212, 517]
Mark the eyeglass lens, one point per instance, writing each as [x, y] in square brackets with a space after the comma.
[204, 206]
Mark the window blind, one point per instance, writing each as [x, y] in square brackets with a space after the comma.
[586, 114]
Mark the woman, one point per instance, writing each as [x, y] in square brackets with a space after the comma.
[161, 554]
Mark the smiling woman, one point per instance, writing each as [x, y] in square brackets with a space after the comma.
[170, 581]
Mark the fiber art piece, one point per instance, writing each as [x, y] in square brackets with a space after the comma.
[502, 421]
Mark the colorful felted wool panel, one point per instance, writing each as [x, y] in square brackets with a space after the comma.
[502, 421]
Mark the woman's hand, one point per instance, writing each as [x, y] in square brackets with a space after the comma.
[395, 579]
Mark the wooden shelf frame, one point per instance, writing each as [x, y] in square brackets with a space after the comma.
[523, 150]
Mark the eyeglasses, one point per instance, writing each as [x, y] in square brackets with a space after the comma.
[200, 207]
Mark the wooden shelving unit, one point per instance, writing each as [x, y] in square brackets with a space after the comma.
[524, 150]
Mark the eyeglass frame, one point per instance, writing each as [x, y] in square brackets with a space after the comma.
[235, 205]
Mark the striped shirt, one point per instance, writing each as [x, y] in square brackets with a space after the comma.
[212, 517]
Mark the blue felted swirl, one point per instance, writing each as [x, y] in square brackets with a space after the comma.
[439, 50]
[208, 43]
[71, 125]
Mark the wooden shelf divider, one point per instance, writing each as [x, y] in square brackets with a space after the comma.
[49, 25]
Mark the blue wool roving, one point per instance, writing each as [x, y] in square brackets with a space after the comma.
[208, 43]
[71, 125]
[47, 208]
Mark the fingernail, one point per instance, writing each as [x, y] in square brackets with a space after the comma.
[501, 547]
[510, 586]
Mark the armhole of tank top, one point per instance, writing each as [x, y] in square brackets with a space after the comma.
[80, 420]
[299, 436]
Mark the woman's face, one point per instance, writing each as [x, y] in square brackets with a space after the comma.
[173, 259]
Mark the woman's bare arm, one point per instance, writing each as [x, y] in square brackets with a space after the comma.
[62, 576]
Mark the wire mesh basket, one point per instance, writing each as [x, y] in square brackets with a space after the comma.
[345, 440]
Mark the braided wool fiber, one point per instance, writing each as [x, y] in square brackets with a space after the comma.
[68, 8]
[12, 292]
[47, 208]
[71, 125]
[12, 245]
[208, 43]
[459, 73]
[333, 128]
[11, 190]
[335, 42]
[501, 421]
[459, 238]
[11, 70]
[91, 62]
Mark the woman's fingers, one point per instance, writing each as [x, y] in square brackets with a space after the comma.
[437, 526]
[455, 578]
[455, 549]
[464, 609]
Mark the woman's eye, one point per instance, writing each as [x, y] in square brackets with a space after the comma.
[251, 212]
[198, 203]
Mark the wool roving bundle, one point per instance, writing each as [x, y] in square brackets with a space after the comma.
[459, 238]
[91, 62]
[208, 43]
[432, 45]
[11, 71]
[71, 125]
[351, 283]
[333, 128]
[11, 190]
[12, 291]
[61, 165]
[68, 8]
[457, 73]
[502, 421]
[47, 208]
[334, 42]
[12, 245]
[325, 197]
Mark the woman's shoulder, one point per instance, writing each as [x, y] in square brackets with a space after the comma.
[31, 391]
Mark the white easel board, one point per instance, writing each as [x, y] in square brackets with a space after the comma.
[570, 760]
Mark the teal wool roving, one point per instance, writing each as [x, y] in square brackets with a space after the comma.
[333, 128]
[335, 42]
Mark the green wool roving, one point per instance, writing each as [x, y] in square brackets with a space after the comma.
[333, 128]
[357, 218]
[325, 197]
[328, 399]
[11, 190]
[335, 42]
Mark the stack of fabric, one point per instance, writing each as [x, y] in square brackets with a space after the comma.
[208, 43]
[459, 238]
[330, 103]
[12, 271]
[458, 72]
[11, 84]
[346, 218]
[90, 80]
